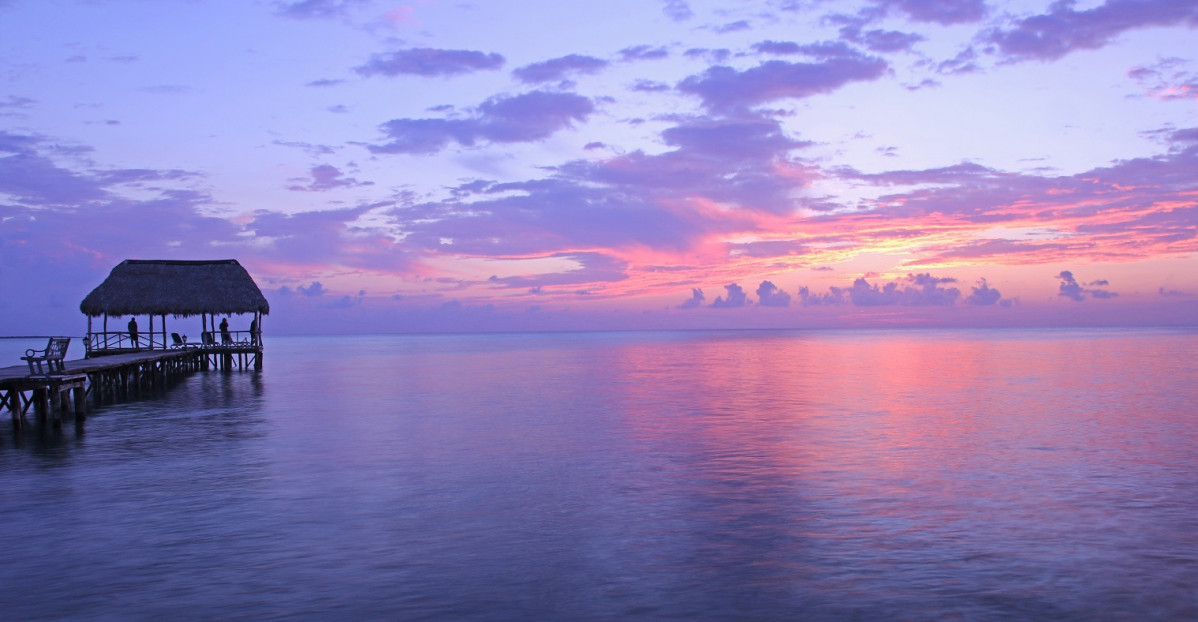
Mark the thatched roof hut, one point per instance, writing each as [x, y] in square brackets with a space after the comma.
[171, 287]
[180, 288]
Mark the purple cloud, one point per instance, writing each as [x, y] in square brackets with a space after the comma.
[519, 118]
[779, 48]
[730, 162]
[770, 248]
[306, 9]
[834, 296]
[915, 290]
[736, 298]
[558, 68]
[650, 86]
[429, 62]
[643, 52]
[677, 10]
[945, 12]
[768, 295]
[919, 290]
[1166, 81]
[1073, 290]
[593, 268]
[631, 201]
[31, 177]
[882, 41]
[550, 215]
[312, 291]
[725, 89]
[17, 102]
[736, 26]
[326, 177]
[983, 295]
[695, 301]
[1064, 30]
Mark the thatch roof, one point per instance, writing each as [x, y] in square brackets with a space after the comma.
[168, 287]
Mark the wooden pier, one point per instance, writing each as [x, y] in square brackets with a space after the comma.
[120, 364]
[111, 378]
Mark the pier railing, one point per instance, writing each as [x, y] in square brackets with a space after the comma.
[122, 341]
[114, 342]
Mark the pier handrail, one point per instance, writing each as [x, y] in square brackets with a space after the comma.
[121, 340]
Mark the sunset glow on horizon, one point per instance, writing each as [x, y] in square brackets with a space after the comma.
[384, 166]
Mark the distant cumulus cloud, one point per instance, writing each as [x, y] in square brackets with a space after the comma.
[736, 298]
[313, 290]
[1063, 29]
[768, 295]
[347, 301]
[519, 118]
[1070, 288]
[915, 290]
[429, 62]
[983, 295]
[834, 296]
[558, 68]
[695, 301]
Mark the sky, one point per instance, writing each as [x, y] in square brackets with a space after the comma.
[390, 166]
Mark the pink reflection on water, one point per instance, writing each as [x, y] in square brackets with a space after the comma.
[1042, 462]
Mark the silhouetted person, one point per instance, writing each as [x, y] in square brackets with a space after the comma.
[133, 331]
[254, 331]
[224, 331]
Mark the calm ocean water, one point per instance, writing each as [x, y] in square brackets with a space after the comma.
[914, 475]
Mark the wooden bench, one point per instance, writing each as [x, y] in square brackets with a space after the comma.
[52, 356]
